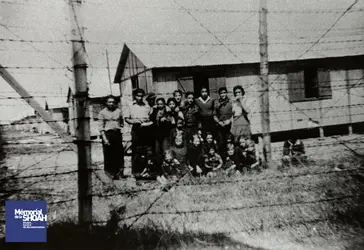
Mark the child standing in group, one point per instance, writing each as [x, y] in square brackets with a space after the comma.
[194, 155]
[213, 162]
[210, 142]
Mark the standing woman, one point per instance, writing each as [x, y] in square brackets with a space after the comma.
[161, 126]
[240, 122]
[173, 112]
[111, 123]
[177, 95]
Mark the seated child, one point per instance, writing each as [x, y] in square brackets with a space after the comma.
[293, 152]
[229, 141]
[149, 164]
[251, 155]
[143, 157]
[170, 167]
[180, 150]
[194, 155]
[210, 142]
[179, 130]
[232, 160]
[213, 162]
[239, 151]
[248, 157]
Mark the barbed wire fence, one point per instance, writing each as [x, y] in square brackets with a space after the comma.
[58, 198]
[34, 174]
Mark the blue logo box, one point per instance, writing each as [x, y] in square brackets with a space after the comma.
[26, 221]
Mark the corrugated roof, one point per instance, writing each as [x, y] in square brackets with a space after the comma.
[59, 102]
[229, 34]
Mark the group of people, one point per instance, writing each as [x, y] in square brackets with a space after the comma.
[171, 138]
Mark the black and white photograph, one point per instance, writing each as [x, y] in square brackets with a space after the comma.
[182, 124]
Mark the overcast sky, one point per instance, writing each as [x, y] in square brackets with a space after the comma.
[106, 22]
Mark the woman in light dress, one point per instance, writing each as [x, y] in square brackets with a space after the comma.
[240, 121]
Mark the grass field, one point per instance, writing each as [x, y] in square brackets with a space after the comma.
[319, 205]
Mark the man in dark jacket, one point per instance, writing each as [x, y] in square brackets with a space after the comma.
[191, 115]
[223, 112]
[206, 110]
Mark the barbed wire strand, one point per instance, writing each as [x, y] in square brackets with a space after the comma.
[40, 51]
[317, 41]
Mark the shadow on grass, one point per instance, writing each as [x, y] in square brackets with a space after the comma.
[68, 235]
[357, 244]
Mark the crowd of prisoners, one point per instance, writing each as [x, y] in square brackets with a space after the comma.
[198, 136]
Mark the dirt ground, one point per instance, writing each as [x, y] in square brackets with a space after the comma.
[311, 206]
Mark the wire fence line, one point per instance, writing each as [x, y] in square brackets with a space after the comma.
[317, 145]
[249, 228]
[252, 123]
[343, 87]
[212, 183]
[185, 51]
[301, 203]
[133, 192]
[203, 183]
[344, 106]
[243, 30]
[18, 174]
[180, 43]
[148, 211]
[203, 10]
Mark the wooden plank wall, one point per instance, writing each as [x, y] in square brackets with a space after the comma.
[146, 81]
[284, 115]
[334, 111]
[356, 94]
[164, 84]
